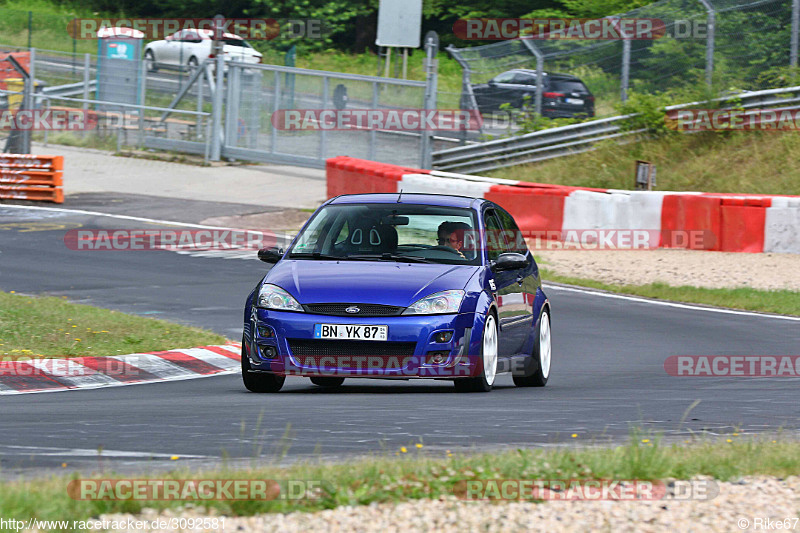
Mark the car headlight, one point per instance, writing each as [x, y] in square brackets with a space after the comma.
[440, 303]
[273, 297]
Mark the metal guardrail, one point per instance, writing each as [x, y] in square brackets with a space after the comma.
[69, 89]
[577, 138]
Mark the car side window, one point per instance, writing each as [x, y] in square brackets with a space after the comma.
[525, 79]
[515, 241]
[495, 244]
[505, 77]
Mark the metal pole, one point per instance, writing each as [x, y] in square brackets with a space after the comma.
[795, 31]
[87, 62]
[626, 66]
[712, 22]
[323, 135]
[373, 135]
[539, 73]
[431, 84]
[216, 111]
[30, 28]
[141, 99]
[276, 105]
[388, 61]
[200, 83]
[30, 97]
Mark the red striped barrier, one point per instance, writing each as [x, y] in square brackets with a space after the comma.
[697, 221]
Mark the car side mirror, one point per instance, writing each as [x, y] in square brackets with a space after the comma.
[492, 82]
[509, 261]
[270, 255]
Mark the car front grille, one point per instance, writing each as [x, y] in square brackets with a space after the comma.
[318, 348]
[338, 309]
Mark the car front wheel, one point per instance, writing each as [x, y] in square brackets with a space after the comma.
[150, 61]
[259, 381]
[488, 361]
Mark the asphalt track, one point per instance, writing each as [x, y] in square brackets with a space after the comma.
[608, 374]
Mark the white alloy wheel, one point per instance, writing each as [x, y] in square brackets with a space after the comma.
[490, 349]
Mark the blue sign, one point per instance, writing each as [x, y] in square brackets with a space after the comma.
[120, 50]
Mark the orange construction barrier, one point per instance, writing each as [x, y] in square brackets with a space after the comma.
[32, 177]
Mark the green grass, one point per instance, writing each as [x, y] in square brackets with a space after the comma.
[745, 162]
[423, 474]
[783, 302]
[49, 326]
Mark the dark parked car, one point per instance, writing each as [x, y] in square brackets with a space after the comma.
[562, 96]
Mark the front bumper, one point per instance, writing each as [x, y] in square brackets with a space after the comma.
[283, 343]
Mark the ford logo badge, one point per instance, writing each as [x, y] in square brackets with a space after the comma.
[353, 309]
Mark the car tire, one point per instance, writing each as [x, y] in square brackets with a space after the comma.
[327, 381]
[192, 64]
[488, 371]
[259, 381]
[542, 352]
[150, 61]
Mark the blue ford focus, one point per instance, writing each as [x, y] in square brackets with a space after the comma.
[400, 286]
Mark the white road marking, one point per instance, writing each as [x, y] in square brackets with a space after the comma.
[87, 452]
[235, 254]
[670, 304]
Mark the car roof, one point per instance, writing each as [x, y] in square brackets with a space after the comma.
[549, 74]
[443, 200]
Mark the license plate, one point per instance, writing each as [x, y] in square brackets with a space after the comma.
[351, 332]
[576, 101]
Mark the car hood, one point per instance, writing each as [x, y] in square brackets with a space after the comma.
[386, 283]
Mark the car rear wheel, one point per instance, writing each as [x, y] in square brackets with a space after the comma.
[488, 360]
[543, 353]
[259, 381]
[192, 64]
[150, 61]
[324, 381]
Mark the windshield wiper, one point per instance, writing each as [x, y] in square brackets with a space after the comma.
[314, 255]
[391, 257]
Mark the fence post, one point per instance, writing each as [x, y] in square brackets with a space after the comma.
[30, 98]
[795, 31]
[216, 110]
[712, 23]
[626, 66]
[142, 100]
[30, 29]
[466, 90]
[431, 85]
[87, 65]
[539, 73]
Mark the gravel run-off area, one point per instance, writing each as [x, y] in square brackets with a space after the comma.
[744, 504]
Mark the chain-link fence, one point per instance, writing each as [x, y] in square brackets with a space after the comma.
[727, 44]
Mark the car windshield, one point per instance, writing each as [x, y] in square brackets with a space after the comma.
[390, 232]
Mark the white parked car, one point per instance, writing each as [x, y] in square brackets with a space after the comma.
[186, 49]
